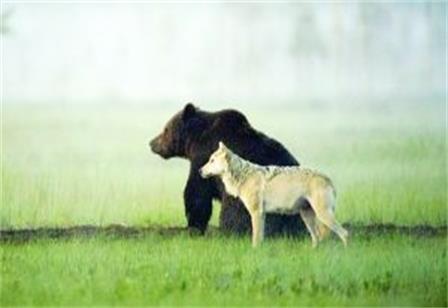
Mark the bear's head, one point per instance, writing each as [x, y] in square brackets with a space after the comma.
[172, 141]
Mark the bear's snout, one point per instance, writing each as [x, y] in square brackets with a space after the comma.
[159, 147]
[154, 144]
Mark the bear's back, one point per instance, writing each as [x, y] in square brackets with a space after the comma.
[233, 128]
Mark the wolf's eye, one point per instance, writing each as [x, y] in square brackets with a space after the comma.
[212, 160]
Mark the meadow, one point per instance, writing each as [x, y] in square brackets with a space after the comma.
[66, 165]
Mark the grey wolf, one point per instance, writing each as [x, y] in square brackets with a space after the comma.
[275, 189]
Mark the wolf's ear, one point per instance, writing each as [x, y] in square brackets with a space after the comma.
[222, 146]
[189, 111]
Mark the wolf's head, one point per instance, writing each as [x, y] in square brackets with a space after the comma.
[218, 162]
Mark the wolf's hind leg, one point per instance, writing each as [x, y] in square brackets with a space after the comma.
[331, 223]
[309, 218]
[326, 216]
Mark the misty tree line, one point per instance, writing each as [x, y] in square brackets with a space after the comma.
[257, 51]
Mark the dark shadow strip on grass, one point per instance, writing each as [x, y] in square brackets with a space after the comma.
[390, 229]
[90, 231]
[87, 231]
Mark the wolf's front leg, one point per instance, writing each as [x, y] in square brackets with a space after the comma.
[258, 218]
[252, 197]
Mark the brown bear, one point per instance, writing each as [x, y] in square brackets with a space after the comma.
[194, 134]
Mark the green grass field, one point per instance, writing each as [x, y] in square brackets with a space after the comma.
[67, 165]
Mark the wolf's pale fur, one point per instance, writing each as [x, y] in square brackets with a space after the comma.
[275, 189]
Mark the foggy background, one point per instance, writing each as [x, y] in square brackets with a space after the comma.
[218, 53]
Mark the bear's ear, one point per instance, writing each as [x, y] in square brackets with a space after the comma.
[189, 111]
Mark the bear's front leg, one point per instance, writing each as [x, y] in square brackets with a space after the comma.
[198, 196]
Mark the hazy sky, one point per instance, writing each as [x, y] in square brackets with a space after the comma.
[244, 53]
